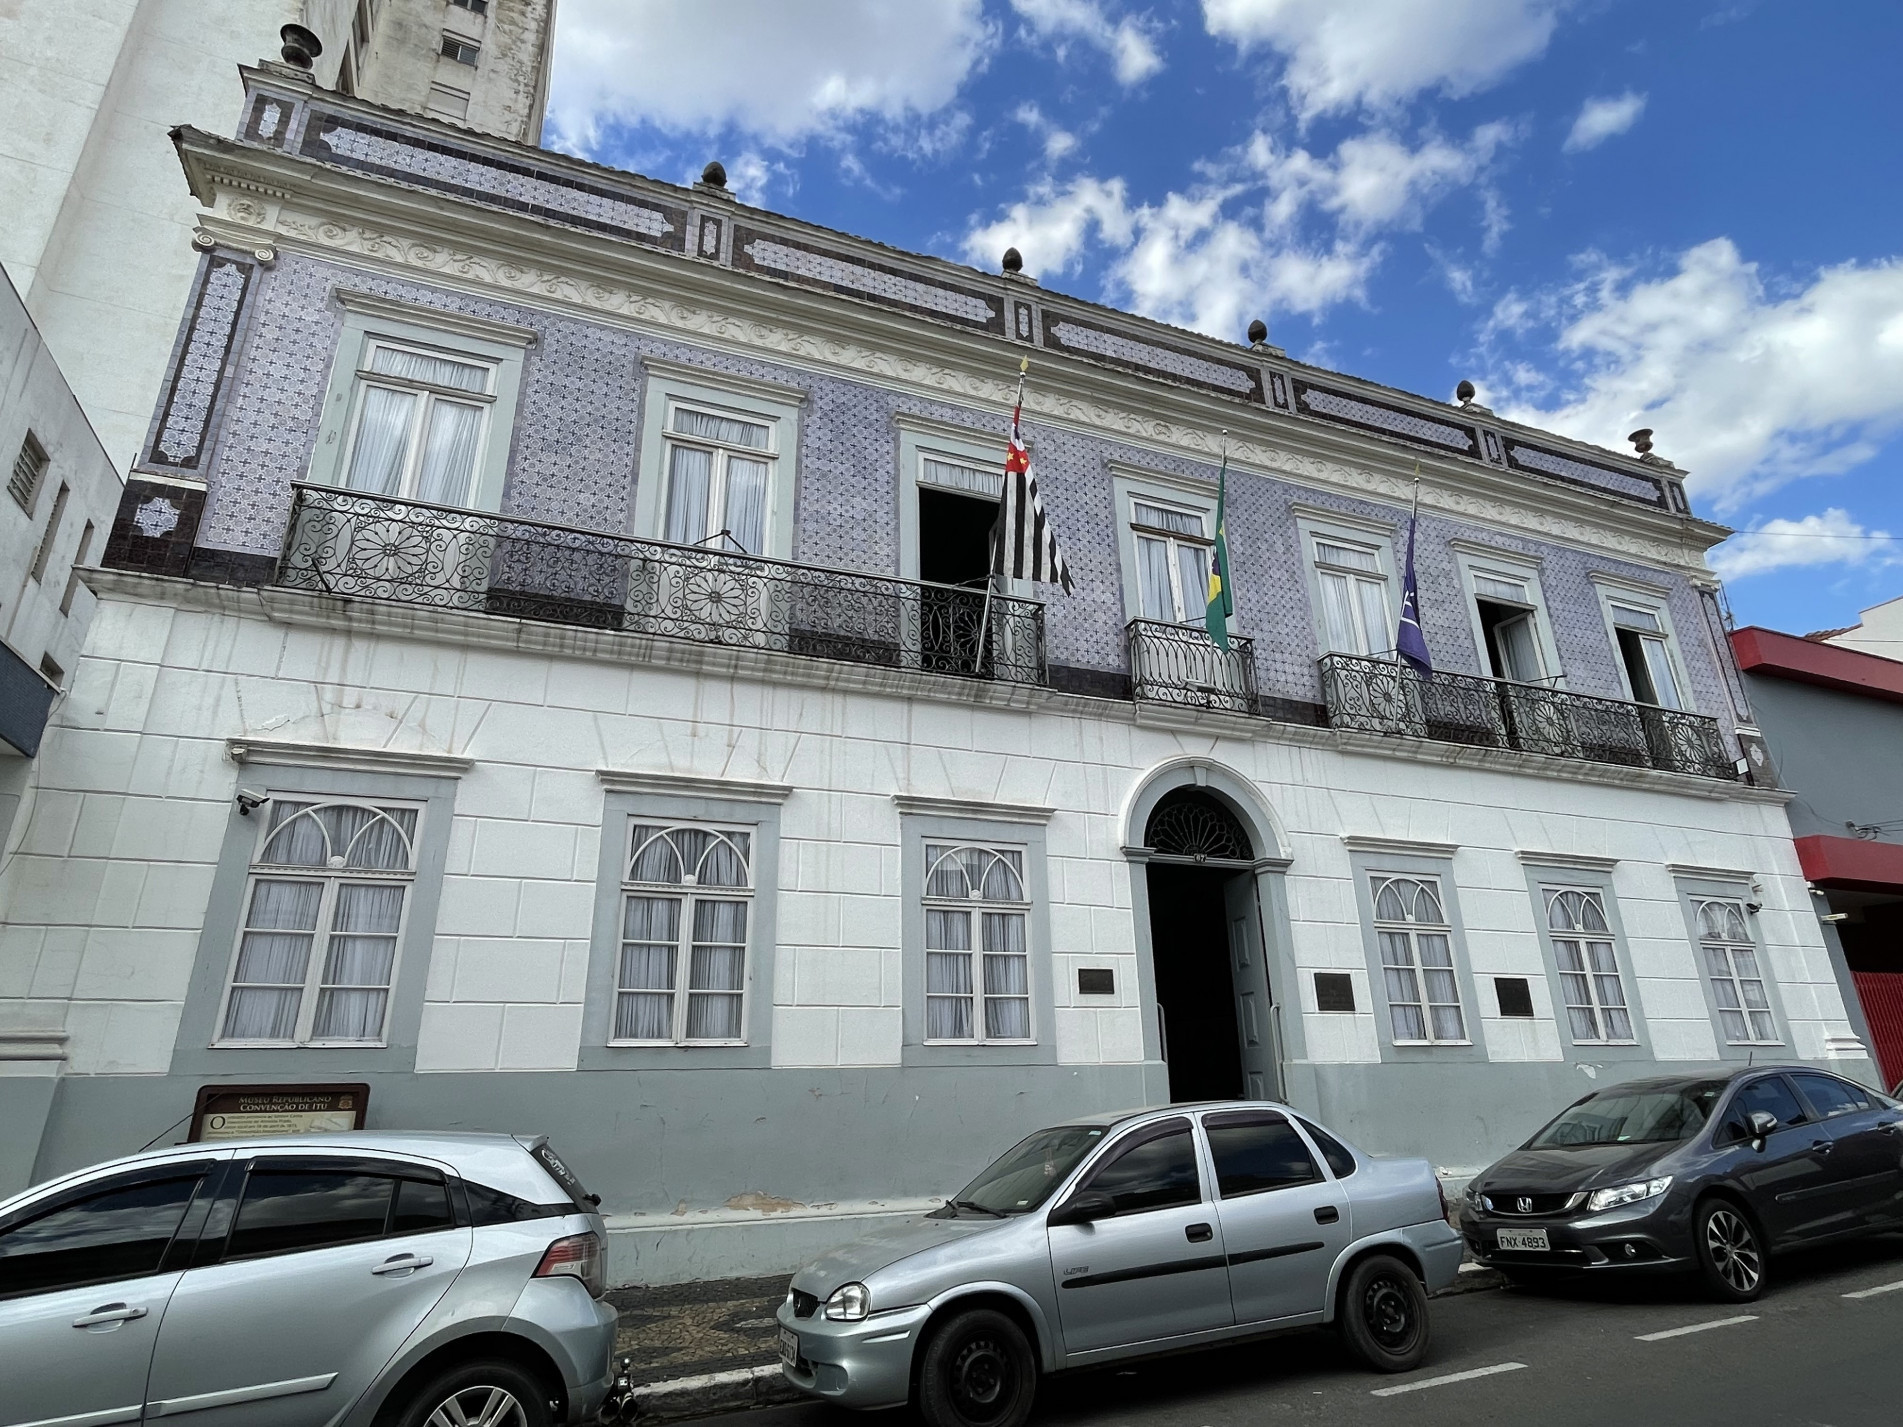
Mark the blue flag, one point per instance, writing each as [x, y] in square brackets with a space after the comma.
[1409, 642]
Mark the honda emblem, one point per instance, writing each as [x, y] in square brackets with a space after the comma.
[1524, 1205]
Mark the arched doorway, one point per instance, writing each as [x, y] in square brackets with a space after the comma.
[1207, 950]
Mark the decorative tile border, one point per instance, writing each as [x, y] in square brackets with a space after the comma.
[487, 178]
[1278, 391]
[1366, 415]
[1155, 359]
[775, 255]
[1522, 457]
[1023, 322]
[154, 528]
[199, 372]
[269, 122]
[1491, 441]
[707, 243]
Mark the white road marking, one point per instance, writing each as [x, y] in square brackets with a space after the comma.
[1873, 1292]
[1443, 1381]
[1697, 1328]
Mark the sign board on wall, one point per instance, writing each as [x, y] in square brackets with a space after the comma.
[226, 1112]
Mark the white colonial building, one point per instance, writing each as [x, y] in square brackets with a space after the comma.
[542, 674]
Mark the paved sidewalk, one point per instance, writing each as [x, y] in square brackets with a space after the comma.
[700, 1348]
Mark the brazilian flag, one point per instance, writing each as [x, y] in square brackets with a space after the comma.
[1222, 599]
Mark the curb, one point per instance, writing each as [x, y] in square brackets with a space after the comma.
[1474, 1278]
[708, 1393]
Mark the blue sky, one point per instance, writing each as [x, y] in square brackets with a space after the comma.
[1608, 214]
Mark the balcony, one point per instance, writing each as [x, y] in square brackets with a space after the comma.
[1380, 696]
[370, 547]
[1179, 664]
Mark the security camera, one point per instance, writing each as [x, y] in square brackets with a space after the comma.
[1754, 907]
[249, 801]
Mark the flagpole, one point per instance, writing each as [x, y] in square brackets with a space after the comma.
[991, 575]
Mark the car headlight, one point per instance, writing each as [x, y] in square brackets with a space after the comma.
[1603, 1199]
[1472, 1195]
[850, 1302]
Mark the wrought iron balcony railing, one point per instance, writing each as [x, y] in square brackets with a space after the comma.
[371, 547]
[1179, 664]
[1384, 696]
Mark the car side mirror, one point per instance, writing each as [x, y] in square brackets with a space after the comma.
[1763, 1123]
[1083, 1208]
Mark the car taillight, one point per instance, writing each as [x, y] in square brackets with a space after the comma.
[577, 1256]
[1441, 1190]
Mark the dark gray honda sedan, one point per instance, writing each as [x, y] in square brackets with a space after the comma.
[1708, 1173]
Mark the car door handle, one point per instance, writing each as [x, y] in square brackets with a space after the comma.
[110, 1313]
[1821, 1146]
[404, 1263]
[1327, 1214]
[1199, 1233]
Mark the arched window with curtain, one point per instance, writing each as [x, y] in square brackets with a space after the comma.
[977, 959]
[324, 914]
[686, 909]
[1417, 961]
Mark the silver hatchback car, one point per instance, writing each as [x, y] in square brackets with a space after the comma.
[1116, 1237]
[405, 1279]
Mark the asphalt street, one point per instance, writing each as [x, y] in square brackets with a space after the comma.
[1810, 1353]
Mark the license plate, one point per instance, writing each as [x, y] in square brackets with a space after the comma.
[789, 1347]
[1524, 1241]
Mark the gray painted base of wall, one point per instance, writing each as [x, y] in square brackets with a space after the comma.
[728, 1173]
[25, 1102]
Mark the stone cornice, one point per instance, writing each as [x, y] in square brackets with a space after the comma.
[712, 377]
[974, 808]
[621, 780]
[461, 628]
[1562, 861]
[1398, 846]
[279, 753]
[368, 222]
[391, 309]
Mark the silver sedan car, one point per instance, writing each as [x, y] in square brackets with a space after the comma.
[1116, 1237]
[401, 1279]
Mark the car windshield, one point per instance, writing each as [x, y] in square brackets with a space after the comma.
[1024, 1178]
[1632, 1117]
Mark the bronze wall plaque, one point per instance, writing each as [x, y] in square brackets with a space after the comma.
[227, 1112]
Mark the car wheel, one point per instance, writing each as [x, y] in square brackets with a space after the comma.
[977, 1371]
[1383, 1314]
[480, 1394]
[1730, 1252]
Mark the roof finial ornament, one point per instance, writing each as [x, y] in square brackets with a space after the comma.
[300, 46]
[1258, 332]
[714, 175]
[1464, 393]
[1642, 440]
[1013, 261]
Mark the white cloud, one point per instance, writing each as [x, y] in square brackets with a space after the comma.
[1603, 118]
[1051, 225]
[771, 69]
[1831, 538]
[1129, 42]
[1746, 387]
[1057, 142]
[1381, 52]
[1269, 230]
[750, 176]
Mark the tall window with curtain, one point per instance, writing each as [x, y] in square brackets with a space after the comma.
[687, 903]
[1417, 961]
[1354, 595]
[421, 418]
[1737, 981]
[323, 920]
[1645, 648]
[977, 960]
[1172, 548]
[719, 474]
[1588, 965]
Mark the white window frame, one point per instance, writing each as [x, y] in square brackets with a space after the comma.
[372, 318]
[721, 455]
[672, 384]
[1594, 1005]
[1614, 594]
[1373, 536]
[1130, 484]
[1191, 606]
[975, 907]
[689, 895]
[1730, 947]
[332, 878]
[1412, 931]
[1477, 563]
[429, 395]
